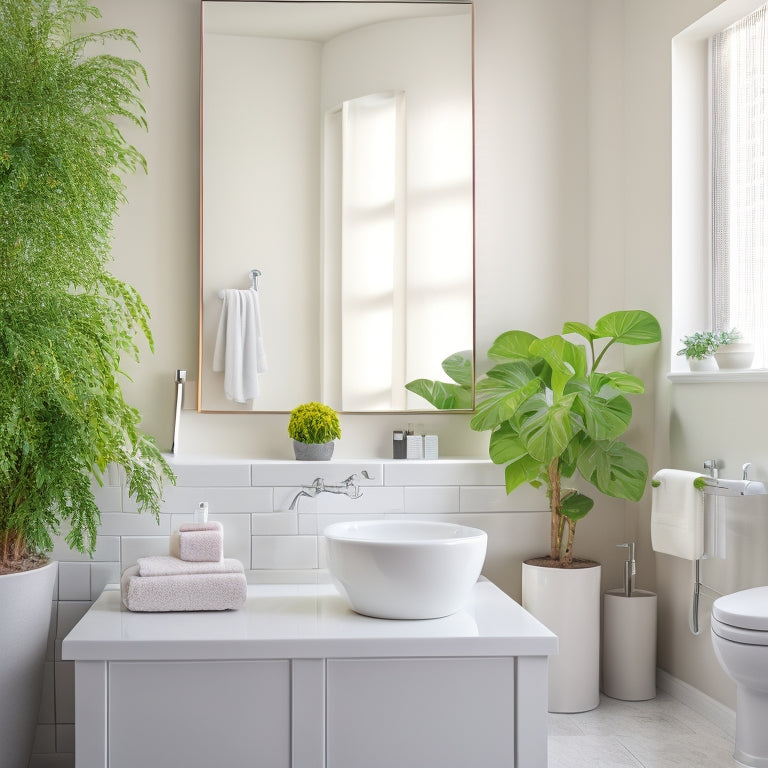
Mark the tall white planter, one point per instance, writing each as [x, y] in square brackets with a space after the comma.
[25, 617]
[567, 601]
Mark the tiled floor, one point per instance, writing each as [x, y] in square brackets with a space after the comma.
[661, 733]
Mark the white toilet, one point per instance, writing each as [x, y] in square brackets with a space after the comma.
[740, 640]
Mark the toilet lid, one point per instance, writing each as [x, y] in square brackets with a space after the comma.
[747, 609]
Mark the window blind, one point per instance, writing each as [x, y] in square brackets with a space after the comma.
[739, 65]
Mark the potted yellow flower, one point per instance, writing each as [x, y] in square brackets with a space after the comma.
[313, 427]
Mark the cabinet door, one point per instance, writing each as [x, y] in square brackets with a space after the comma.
[198, 714]
[412, 713]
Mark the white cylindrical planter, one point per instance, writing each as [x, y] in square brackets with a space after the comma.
[629, 645]
[25, 616]
[567, 601]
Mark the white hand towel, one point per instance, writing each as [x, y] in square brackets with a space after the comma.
[239, 350]
[677, 515]
[165, 565]
[191, 592]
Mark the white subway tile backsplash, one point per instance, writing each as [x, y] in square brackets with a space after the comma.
[314, 525]
[47, 712]
[107, 548]
[431, 500]
[70, 612]
[101, 575]
[237, 536]
[281, 552]
[444, 472]
[133, 523]
[65, 692]
[374, 501]
[280, 473]
[184, 500]
[492, 498]
[109, 498]
[211, 474]
[74, 581]
[274, 524]
[134, 547]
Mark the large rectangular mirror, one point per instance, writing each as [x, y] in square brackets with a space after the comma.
[337, 163]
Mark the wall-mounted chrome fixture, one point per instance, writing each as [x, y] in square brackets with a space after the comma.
[349, 487]
[180, 380]
[254, 276]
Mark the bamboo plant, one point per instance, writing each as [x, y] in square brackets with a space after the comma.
[551, 413]
[66, 323]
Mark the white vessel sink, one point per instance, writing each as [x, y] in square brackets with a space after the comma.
[405, 569]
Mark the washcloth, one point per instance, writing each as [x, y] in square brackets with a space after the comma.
[677, 515]
[191, 592]
[201, 542]
[165, 565]
[239, 349]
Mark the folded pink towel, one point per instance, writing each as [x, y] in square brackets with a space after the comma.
[190, 592]
[166, 565]
[201, 542]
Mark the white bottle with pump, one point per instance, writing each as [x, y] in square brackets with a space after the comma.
[201, 512]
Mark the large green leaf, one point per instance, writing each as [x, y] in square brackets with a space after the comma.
[576, 506]
[581, 329]
[565, 359]
[458, 367]
[605, 419]
[525, 470]
[507, 386]
[625, 382]
[547, 432]
[629, 327]
[506, 445]
[614, 468]
[442, 394]
[512, 345]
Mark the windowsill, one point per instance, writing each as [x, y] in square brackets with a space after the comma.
[747, 376]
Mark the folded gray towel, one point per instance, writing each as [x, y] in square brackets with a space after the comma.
[167, 565]
[187, 592]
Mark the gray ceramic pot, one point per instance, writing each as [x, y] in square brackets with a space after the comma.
[313, 451]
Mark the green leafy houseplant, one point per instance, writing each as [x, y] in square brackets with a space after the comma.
[314, 423]
[65, 321]
[456, 394]
[552, 413]
[699, 345]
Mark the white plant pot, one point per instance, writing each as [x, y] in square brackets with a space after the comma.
[567, 601]
[734, 356]
[706, 364]
[25, 617]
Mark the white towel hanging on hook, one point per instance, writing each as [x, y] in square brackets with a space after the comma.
[239, 350]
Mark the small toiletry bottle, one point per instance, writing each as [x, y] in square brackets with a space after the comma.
[201, 512]
[430, 447]
[398, 444]
[414, 446]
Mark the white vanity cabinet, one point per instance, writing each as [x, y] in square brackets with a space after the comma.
[298, 680]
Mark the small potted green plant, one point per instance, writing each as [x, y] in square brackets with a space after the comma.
[313, 427]
[731, 351]
[698, 349]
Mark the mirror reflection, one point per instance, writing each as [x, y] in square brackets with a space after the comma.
[336, 162]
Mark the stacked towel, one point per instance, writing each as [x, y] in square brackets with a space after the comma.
[677, 515]
[184, 592]
[194, 577]
[239, 350]
[201, 542]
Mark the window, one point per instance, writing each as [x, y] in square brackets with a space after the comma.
[739, 71]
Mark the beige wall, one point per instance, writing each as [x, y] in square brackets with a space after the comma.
[573, 164]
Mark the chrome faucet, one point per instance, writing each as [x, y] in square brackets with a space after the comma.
[349, 487]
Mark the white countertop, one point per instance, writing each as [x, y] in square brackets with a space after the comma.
[305, 621]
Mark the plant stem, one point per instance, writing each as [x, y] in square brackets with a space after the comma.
[553, 474]
[567, 558]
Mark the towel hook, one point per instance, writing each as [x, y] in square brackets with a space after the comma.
[255, 274]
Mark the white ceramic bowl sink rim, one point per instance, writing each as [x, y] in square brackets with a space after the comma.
[402, 532]
[405, 569]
